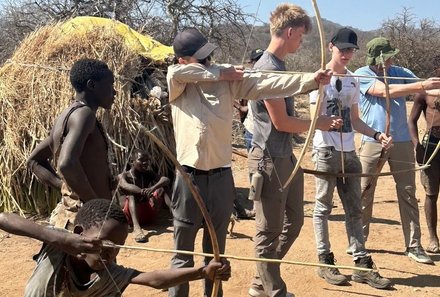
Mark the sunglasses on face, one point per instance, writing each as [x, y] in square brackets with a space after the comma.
[347, 50]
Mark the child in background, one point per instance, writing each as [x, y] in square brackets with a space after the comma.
[145, 193]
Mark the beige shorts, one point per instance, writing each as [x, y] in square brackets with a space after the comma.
[65, 212]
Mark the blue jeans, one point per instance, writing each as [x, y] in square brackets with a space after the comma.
[329, 160]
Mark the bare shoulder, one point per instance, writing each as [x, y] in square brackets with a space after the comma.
[79, 118]
[72, 116]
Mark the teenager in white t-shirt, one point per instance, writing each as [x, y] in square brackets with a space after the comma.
[334, 151]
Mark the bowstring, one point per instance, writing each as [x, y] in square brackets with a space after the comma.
[250, 33]
[111, 277]
[111, 203]
[429, 134]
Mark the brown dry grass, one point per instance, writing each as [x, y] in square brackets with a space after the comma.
[34, 88]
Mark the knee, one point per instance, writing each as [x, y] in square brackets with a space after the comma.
[432, 198]
[322, 208]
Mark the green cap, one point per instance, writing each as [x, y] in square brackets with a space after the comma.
[377, 46]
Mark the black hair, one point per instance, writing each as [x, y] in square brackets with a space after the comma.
[138, 152]
[87, 69]
[96, 211]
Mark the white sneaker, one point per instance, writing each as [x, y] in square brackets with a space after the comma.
[256, 292]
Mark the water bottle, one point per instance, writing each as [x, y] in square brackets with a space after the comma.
[256, 186]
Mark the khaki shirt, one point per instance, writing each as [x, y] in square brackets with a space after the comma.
[202, 108]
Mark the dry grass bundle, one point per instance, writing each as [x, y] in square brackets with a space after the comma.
[34, 89]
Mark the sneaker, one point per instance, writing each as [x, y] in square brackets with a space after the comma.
[257, 291]
[419, 255]
[348, 251]
[372, 278]
[331, 275]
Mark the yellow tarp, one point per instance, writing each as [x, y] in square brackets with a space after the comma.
[142, 44]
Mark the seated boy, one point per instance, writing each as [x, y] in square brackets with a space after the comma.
[144, 191]
[76, 264]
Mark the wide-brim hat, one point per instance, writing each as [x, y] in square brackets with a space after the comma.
[378, 47]
[191, 43]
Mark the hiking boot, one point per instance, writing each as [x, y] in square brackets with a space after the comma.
[372, 278]
[331, 275]
[419, 255]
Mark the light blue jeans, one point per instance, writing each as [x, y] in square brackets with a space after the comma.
[329, 160]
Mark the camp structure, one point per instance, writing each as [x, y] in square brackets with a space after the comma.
[35, 88]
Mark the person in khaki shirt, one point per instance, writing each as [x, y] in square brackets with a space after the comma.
[202, 102]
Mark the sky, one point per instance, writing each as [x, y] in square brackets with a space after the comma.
[361, 14]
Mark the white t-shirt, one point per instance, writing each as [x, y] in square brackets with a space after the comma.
[338, 104]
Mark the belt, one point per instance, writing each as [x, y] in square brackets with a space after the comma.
[195, 171]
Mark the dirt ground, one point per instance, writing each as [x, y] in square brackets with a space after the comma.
[385, 244]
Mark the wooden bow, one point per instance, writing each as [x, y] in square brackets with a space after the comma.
[197, 197]
[314, 113]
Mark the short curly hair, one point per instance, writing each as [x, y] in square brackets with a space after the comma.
[96, 211]
[288, 15]
[87, 69]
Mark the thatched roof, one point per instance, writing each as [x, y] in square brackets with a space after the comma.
[34, 89]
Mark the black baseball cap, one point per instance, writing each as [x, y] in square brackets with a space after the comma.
[191, 43]
[256, 54]
[345, 38]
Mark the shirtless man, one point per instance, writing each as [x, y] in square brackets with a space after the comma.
[77, 144]
[429, 104]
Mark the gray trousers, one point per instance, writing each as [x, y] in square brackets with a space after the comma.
[400, 156]
[279, 218]
[329, 160]
[218, 193]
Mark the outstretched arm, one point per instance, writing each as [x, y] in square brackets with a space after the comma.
[399, 90]
[70, 243]
[39, 164]
[168, 278]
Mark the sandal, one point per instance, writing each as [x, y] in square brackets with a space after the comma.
[140, 237]
[433, 248]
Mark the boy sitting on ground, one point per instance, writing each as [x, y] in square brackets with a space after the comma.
[145, 193]
[77, 264]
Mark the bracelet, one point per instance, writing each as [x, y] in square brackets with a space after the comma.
[376, 134]
[423, 88]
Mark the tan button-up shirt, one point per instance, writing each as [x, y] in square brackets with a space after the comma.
[202, 108]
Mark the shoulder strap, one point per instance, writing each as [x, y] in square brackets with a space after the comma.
[73, 107]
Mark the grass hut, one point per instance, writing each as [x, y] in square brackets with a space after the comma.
[35, 88]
